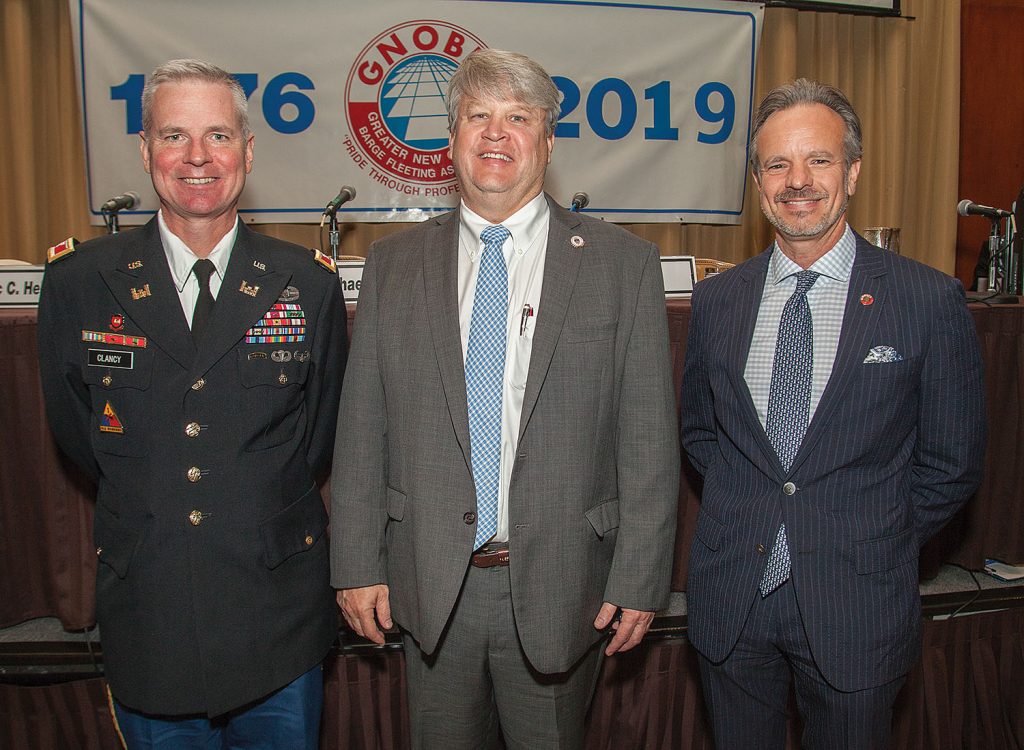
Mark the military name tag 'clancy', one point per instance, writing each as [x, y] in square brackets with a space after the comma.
[111, 358]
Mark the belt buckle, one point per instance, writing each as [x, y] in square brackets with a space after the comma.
[490, 555]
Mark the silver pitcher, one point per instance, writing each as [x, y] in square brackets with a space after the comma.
[887, 238]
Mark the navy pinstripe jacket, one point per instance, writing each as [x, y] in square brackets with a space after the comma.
[893, 450]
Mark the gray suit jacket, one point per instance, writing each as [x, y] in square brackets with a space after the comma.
[593, 490]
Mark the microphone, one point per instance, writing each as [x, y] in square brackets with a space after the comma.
[580, 201]
[344, 195]
[967, 208]
[129, 199]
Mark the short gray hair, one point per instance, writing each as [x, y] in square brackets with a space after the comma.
[176, 71]
[495, 73]
[804, 91]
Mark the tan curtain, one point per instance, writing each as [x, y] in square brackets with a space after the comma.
[902, 75]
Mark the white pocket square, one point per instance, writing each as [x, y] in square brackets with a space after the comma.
[882, 354]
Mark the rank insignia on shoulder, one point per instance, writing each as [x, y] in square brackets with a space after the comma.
[325, 260]
[63, 250]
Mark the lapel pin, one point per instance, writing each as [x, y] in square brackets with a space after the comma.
[116, 322]
[250, 290]
[288, 294]
[259, 266]
[140, 293]
[576, 241]
[281, 355]
[866, 299]
[135, 265]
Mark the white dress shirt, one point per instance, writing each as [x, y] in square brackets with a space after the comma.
[524, 253]
[827, 301]
[181, 259]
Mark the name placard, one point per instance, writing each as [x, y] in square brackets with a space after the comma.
[350, 274]
[679, 273]
[20, 285]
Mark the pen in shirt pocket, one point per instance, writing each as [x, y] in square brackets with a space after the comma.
[525, 317]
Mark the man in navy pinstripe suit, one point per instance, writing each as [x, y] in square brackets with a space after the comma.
[821, 480]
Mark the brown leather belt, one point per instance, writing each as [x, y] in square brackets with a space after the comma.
[490, 555]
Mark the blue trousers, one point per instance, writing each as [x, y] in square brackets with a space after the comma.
[288, 719]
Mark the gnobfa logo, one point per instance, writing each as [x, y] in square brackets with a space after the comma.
[395, 104]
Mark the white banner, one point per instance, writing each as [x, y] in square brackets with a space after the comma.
[654, 123]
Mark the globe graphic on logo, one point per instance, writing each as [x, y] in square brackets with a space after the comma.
[412, 101]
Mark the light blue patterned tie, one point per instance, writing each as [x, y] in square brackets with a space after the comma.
[789, 404]
[485, 371]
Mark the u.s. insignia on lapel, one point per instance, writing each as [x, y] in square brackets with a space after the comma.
[135, 265]
[259, 266]
[140, 293]
[250, 290]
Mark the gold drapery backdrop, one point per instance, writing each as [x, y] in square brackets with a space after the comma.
[902, 75]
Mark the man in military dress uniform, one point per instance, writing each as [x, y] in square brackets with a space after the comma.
[193, 368]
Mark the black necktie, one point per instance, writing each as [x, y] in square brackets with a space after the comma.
[203, 269]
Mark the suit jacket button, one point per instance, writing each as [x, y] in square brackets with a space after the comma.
[469, 518]
[107, 381]
[760, 549]
[194, 474]
[789, 488]
[309, 540]
[192, 429]
[198, 385]
[195, 517]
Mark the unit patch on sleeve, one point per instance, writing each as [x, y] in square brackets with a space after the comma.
[109, 421]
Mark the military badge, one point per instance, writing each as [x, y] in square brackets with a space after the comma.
[61, 251]
[283, 323]
[325, 260]
[109, 421]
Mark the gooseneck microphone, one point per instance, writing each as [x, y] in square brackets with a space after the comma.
[122, 202]
[344, 195]
[966, 207]
[579, 201]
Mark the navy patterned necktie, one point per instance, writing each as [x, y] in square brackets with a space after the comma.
[203, 269]
[789, 404]
[485, 372]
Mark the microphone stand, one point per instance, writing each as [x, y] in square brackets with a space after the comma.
[1003, 271]
[110, 219]
[334, 235]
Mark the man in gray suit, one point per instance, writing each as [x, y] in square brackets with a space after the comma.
[508, 472]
